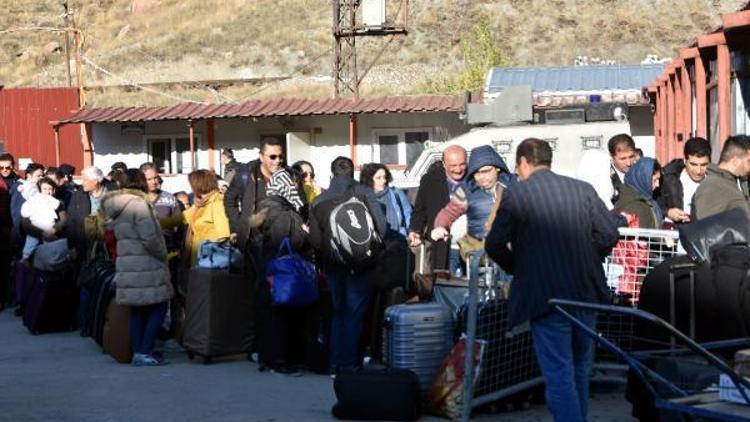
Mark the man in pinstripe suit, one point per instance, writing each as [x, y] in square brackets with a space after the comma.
[552, 233]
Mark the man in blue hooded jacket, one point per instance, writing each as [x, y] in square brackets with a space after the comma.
[487, 178]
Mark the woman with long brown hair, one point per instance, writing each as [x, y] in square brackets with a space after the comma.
[206, 219]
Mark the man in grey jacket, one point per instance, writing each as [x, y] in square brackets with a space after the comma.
[723, 189]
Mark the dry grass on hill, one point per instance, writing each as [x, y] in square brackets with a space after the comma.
[227, 39]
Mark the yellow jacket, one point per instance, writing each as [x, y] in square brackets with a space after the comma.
[208, 222]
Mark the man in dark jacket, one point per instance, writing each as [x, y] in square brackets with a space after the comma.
[66, 186]
[8, 178]
[681, 177]
[435, 189]
[248, 188]
[351, 291]
[553, 233]
[231, 166]
[84, 203]
[622, 151]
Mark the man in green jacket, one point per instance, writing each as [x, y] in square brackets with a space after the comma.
[722, 189]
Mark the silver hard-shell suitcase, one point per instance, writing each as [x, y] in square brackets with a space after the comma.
[418, 337]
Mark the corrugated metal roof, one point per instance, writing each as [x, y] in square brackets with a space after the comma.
[574, 78]
[270, 108]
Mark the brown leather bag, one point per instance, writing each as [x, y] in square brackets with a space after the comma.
[116, 333]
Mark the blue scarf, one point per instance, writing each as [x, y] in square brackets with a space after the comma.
[392, 215]
[639, 177]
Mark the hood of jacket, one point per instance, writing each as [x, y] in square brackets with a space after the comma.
[115, 202]
[485, 156]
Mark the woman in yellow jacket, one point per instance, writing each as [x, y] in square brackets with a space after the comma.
[206, 219]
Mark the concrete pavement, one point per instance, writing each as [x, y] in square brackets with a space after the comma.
[63, 377]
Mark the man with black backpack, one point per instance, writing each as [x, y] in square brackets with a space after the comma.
[346, 229]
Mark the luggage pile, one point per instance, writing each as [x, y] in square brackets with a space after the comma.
[424, 346]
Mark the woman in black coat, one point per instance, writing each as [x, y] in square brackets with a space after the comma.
[281, 331]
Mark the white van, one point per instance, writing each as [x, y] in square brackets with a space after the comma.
[568, 142]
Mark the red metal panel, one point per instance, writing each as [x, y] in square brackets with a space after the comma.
[25, 116]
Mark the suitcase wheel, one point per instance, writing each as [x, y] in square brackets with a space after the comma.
[191, 355]
[207, 360]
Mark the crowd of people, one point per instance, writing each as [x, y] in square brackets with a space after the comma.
[155, 235]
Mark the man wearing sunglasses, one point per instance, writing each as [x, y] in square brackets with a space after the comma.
[248, 188]
[8, 178]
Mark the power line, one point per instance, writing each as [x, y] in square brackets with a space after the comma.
[134, 84]
[295, 72]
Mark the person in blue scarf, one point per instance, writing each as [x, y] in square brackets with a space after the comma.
[395, 204]
[637, 194]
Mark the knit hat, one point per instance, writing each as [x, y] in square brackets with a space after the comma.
[485, 156]
[281, 184]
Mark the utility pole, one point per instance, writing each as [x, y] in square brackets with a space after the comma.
[346, 29]
[78, 40]
[66, 45]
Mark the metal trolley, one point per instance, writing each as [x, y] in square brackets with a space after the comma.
[676, 393]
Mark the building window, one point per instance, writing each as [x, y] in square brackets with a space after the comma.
[171, 153]
[399, 148]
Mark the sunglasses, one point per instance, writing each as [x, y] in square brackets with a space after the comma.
[305, 174]
[275, 156]
[6, 167]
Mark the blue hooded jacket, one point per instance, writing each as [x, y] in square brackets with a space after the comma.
[639, 177]
[480, 200]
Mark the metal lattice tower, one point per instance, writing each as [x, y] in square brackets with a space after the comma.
[346, 28]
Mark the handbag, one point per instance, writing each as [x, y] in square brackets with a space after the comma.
[53, 256]
[219, 255]
[292, 278]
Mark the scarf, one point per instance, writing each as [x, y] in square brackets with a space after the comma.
[281, 184]
[387, 200]
[639, 177]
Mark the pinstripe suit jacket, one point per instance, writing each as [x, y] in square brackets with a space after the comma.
[559, 231]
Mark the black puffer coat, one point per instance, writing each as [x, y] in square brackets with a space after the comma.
[281, 220]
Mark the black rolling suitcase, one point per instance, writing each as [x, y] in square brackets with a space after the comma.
[52, 303]
[103, 293]
[218, 314]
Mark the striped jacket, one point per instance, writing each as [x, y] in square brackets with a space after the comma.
[559, 232]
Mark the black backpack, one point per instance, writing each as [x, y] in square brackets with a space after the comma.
[354, 239]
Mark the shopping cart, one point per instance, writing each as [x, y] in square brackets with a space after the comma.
[672, 390]
[636, 253]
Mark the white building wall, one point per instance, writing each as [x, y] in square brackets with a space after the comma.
[328, 139]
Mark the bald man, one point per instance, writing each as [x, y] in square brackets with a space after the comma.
[435, 188]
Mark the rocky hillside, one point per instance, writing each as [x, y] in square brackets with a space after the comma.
[152, 42]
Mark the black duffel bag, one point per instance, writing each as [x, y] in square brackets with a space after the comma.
[377, 394]
[701, 237]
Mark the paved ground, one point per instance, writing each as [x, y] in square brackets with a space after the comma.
[62, 377]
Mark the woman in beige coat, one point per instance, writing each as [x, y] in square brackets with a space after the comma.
[142, 276]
